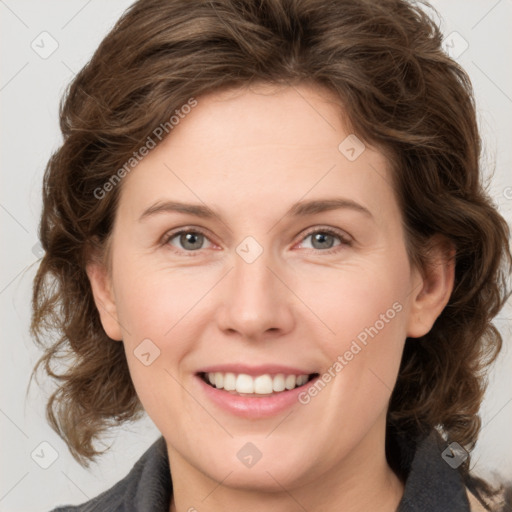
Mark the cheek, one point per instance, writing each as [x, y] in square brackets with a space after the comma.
[356, 301]
[156, 315]
[152, 310]
[364, 317]
[154, 302]
[163, 314]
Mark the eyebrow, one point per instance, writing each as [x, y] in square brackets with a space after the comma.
[300, 209]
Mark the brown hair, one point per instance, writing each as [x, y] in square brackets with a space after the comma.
[401, 92]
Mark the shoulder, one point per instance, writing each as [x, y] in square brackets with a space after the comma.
[112, 499]
[146, 487]
[426, 470]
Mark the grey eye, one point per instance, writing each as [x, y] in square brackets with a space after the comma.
[188, 240]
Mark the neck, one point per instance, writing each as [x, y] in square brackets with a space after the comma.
[360, 482]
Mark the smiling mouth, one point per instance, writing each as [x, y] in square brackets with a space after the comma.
[259, 386]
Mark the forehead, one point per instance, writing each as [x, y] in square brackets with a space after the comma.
[260, 146]
[268, 113]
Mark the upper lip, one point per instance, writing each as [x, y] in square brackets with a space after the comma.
[255, 370]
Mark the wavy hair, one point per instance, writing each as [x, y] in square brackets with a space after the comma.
[401, 93]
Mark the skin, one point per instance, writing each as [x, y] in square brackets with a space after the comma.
[249, 154]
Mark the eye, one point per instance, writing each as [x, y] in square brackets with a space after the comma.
[190, 240]
[323, 239]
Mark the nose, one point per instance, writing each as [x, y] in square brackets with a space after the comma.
[257, 300]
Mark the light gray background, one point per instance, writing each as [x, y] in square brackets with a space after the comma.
[30, 88]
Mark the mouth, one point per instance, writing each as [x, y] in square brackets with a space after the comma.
[264, 385]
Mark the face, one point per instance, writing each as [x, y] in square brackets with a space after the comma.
[293, 263]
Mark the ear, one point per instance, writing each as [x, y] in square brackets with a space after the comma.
[102, 290]
[434, 287]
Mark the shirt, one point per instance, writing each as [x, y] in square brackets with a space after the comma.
[431, 484]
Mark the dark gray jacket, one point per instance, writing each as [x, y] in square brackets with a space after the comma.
[431, 484]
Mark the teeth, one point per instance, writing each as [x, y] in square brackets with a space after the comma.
[261, 385]
[244, 384]
[290, 381]
[229, 382]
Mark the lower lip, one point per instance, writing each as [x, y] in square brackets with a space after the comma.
[254, 407]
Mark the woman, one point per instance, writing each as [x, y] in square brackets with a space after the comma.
[210, 150]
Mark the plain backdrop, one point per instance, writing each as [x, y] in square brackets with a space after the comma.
[31, 83]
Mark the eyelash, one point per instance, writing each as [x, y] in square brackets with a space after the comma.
[344, 240]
